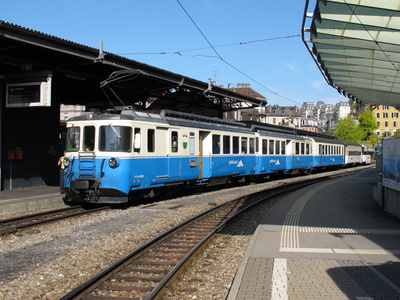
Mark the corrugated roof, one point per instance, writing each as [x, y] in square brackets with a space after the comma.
[355, 43]
[40, 39]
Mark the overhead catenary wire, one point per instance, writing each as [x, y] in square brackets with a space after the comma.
[179, 52]
[229, 64]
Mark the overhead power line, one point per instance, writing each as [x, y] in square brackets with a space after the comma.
[206, 48]
[232, 66]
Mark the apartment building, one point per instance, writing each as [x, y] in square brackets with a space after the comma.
[388, 120]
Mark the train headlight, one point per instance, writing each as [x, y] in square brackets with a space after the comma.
[112, 162]
[66, 161]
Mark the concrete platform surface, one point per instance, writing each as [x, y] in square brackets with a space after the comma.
[327, 241]
[28, 199]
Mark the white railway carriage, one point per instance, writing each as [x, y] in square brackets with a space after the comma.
[353, 153]
[367, 152]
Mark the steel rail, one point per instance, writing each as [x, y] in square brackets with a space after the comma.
[14, 224]
[81, 291]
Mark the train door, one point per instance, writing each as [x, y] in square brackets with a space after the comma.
[321, 154]
[202, 152]
[160, 165]
[289, 152]
[174, 158]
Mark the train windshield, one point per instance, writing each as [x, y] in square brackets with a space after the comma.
[73, 139]
[115, 138]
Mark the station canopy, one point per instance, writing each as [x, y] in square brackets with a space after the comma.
[98, 79]
[356, 45]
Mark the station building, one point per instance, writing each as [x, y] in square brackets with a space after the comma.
[40, 72]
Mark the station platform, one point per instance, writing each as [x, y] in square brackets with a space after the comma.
[330, 240]
[29, 199]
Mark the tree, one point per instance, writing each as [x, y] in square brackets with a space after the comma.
[348, 130]
[372, 139]
[367, 121]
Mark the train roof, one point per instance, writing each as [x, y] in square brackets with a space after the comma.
[192, 120]
[168, 117]
[327, 141]
[285, 129]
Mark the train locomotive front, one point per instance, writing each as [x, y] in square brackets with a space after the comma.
[97, 159]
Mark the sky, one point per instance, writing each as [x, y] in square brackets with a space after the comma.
[230, 42]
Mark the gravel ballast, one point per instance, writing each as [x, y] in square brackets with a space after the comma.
[50, 260]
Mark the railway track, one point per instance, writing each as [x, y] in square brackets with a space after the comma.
[146, 272]
[12, 225]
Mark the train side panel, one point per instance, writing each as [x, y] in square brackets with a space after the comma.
[271, 154]
[327, 153]
[299, 155]
[353, 153]
[227, 155]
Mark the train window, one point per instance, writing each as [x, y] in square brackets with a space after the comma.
[73, 139]
[115, 138]
[283, 147]
[264, 146]
[235, 145]
[88, 138]
[251, 145]
[271, 146]
[227, 144]
[297, 148]
[302, 149]
[244, 145]
[308, 149]
[278, 147]
[137, 140]
[216, 144]
[174, 141]
[151, 140]
[192, 143]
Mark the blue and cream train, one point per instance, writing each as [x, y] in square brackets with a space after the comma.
[113, 158]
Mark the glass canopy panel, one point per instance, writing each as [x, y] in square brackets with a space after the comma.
[355, 43]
